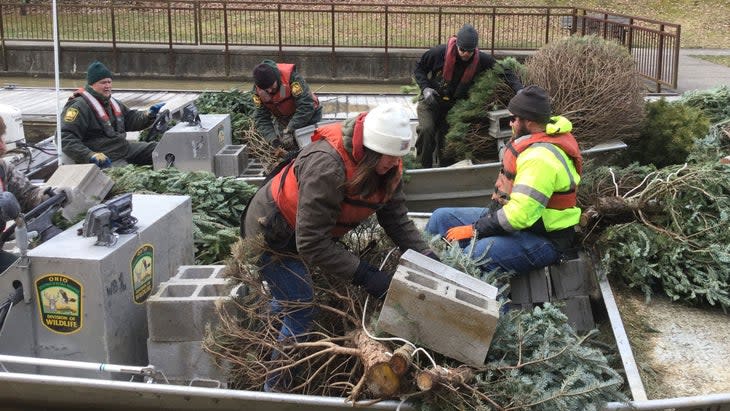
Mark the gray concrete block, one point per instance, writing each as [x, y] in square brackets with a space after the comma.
[183, 362]
[231, 160]
[499, 123]
[532, 287]
[578, 310]
[198, 272]
[539, 285]
[89, 183]
[573, 278]
[520, 289]
[180, 310]
[443, 272]
[440, 315]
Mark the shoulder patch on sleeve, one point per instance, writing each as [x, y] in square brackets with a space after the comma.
[296, 89]
[256, 100]
[71, 115]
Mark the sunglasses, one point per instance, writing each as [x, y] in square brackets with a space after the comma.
[464, 50]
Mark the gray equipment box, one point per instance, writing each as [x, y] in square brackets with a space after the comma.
[86, 302]
[193, 147]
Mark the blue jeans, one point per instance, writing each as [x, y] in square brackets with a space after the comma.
[518, 252]
[290, 283]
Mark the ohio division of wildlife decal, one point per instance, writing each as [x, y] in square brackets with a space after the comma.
[142, 272]
[59, 298]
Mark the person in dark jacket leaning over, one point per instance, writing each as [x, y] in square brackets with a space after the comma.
[531, 223]
[444, 74]
[283, 103]
[352, 170]
[95, 124]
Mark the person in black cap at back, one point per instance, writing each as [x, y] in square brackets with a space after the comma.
[531, 221]
[444, 74]
[283, 103]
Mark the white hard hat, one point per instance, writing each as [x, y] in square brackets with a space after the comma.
[387, 130]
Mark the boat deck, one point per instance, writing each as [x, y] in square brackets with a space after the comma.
[39, 105]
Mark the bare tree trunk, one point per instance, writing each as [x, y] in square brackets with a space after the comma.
[380, 379]
[431, 378]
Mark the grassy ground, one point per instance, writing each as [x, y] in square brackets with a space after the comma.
[724, 60]
[705, 23]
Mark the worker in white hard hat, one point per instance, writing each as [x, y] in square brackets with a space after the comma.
[352, 170]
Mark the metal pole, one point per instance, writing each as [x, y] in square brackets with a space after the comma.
[2, 40]
[77, 365]
[56, 71]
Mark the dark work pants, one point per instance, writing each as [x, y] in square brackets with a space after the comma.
[431, 130]
[140, 153]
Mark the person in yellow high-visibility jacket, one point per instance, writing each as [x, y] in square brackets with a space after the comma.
[531, 223]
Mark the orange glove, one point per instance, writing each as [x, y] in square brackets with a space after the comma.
[461, 232]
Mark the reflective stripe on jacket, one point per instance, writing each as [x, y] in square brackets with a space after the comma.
[354, 208]
[282, 103]
[102, 115]
[538, 179]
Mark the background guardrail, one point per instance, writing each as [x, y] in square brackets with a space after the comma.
[333, 26]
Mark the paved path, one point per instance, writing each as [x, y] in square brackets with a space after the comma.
[699, 74]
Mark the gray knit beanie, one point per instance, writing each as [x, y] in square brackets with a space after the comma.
[467, 38]
[97, 71]
[531, 103]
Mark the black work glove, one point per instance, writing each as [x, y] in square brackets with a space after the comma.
[432, 255]
[488, 225]
[429, 95]
[9, 206]
[374, 281]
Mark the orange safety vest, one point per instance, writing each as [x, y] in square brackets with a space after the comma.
[450, 60]
[354, 208]
[505, 180]
[282, 104]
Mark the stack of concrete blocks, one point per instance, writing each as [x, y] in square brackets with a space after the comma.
[89, 184]
[437, 307]
[177, 316]
[500, 128]
[571, 284]
[231, 160]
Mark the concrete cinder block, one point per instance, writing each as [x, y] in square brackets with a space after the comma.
[438, 314]
[198, 272]
[520, 289]
[573, 278]
[441, 271]
[499, 123]
[578, 310]
[183, 362]
[180, 310]
[231, 160]
[89, 183]
[532, 287]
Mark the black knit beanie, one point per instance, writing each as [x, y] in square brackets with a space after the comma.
[467, 38]
[264, 75]
[97, 71]
[531, 103]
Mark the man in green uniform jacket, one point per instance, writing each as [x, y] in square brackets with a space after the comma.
[283, 103]
[94, 124]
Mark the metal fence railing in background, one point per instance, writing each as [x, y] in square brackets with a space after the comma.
[654, 44]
